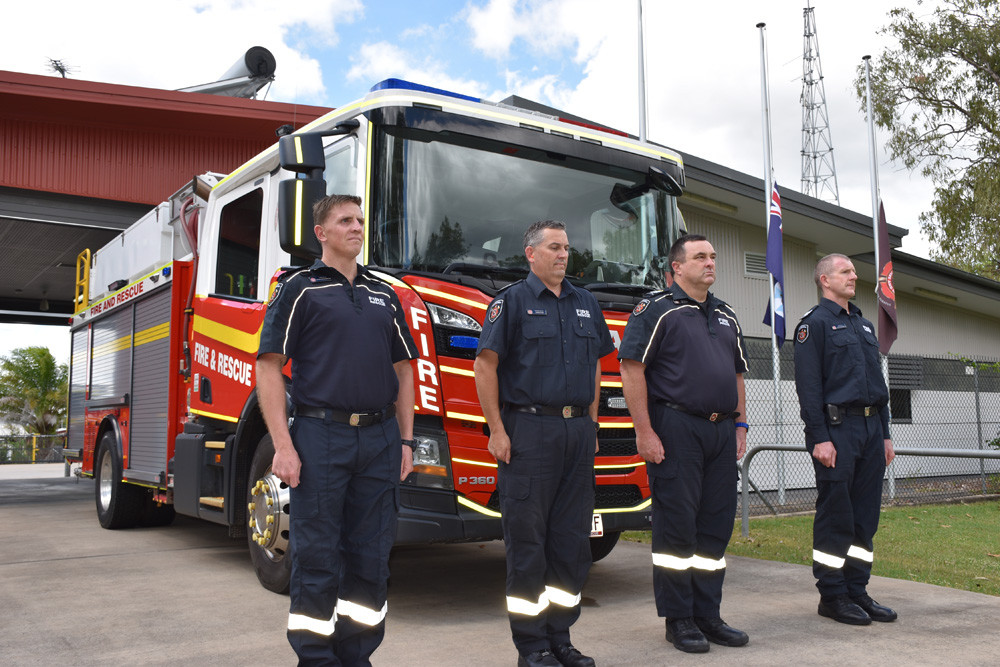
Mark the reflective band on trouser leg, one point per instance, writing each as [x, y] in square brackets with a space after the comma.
[861, 554]
[692, 562]
[561, 597]
[310, 624]
[829, 560]
[361, 614]
[526, 607]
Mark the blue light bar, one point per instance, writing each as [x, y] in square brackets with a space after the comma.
[400, 84]
[468, 342]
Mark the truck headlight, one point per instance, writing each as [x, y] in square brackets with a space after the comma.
[447, 317]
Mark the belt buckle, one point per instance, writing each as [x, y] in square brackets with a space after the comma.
[567, 411]
[713, 417]
[869, 411]
[355, 419]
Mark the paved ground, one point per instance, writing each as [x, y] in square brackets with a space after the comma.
[75, 594]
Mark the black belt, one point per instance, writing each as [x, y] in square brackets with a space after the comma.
[564, 411]
[712, 417]
[352, 418]
[860, 410]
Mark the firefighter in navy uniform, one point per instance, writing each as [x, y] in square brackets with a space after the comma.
[683, 359]
[350, 442]
[844, 405]
[538, 378]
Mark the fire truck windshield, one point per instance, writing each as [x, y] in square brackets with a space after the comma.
[453, 204]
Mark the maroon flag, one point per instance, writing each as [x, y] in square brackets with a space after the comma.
[886, 294]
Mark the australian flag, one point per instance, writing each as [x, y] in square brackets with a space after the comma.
[774, 264]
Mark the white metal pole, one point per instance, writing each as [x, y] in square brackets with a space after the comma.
[642, 79]
[873, 167]
[765, 102]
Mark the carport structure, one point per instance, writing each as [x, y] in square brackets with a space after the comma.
[80, 161]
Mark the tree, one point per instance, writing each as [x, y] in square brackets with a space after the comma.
[938, 95]
[33, 390]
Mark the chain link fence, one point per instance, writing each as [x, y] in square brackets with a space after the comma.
[31, 448]
[941, 403]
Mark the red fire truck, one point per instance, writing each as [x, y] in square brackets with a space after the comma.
[162, 409]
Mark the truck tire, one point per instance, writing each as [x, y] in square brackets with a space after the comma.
[267, 507]
[119, 505]
[602, 546]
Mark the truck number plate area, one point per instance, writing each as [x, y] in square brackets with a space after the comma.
[597, 527]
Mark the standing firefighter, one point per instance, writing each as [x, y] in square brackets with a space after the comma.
[683, 360]
[349, 444]
[538, 376]
[844, 404]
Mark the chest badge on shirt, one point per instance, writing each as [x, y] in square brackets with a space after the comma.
[865, 327]
[580, 312]
[641, 306]
[378, 301]
[495, 311]
[723, 321]
[536, 311]
[802, 333]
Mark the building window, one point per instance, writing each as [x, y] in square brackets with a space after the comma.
[900, 406]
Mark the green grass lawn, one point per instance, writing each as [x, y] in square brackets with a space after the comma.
[947, 545]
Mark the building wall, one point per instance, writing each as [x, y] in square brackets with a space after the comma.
[926, 327]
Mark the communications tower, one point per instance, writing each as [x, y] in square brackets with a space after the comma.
[819, 173]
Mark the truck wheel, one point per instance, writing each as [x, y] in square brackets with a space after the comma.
[119, 505]
[268, 499]
[602, 546]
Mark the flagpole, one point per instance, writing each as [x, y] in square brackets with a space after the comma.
[765, 102]
[873, 167]
[642, 80]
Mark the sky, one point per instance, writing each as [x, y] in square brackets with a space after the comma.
[703, 71]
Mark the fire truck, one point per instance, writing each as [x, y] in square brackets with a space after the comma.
[162, 408]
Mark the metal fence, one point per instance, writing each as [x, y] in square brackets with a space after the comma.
[31, 448]
[938, 403]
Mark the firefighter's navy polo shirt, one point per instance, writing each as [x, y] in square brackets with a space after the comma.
[547, 345]
[667, 333]
[343, 340]
[837, 361]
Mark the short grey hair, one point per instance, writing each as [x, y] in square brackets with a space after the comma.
[825, 265]
[533, 236]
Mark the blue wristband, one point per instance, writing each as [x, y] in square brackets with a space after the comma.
[744, 425]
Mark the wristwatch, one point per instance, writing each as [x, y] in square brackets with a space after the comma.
[411, 443]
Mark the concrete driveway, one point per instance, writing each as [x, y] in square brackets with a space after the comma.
[75, 594]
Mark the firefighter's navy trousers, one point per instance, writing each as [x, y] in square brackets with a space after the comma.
[848, 501]
[694, 506]
[547, 503]
[343, 524]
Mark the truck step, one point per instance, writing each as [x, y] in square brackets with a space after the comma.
[215, 444]
[213, 501]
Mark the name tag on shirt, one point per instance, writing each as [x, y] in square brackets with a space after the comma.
[537, 311]
[838, 327]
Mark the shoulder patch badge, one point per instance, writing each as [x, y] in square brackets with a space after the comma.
[802, 333]
[274, 295]
[641, 306]
[495, 310]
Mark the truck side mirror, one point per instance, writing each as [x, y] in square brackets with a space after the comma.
[296, 197]
[302, 153]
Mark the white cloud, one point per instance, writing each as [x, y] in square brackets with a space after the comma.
[174, 44]
[382, 60]
[546, 26]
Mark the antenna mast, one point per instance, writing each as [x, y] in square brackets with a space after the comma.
[819, 173]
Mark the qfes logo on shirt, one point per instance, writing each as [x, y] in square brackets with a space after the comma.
[377, 301]
[495, 310]
[802, 333]
[641, 306]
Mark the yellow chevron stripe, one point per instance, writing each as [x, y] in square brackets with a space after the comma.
[151, 334]
[449, 297]
[241, 340]
[213, 415]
